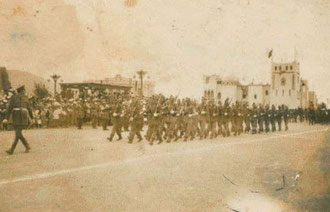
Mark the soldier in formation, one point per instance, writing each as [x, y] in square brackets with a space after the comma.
[20, 110]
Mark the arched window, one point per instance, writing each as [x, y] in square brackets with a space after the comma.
[219, 95]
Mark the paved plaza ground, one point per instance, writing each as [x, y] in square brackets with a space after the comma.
[79, 170]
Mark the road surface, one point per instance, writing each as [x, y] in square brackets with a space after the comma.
[79, 170]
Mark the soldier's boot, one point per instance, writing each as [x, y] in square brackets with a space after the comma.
[138, 134]
[10, 152]
[27, 149]
[119, 135]
[176, 138]
[254, 131]
[192, 137]
[111, 137]
[160, 141]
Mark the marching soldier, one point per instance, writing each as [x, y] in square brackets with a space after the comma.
[220, 117]
[136, 120]
[172, 133]
[212, 118]
[279, 118]
[285, 113]
[104, 117]
[261, 114]
[226, 118]
[155, 126]
[115, 119]
[19, 108]
[273, 118]
[202, 121]
[234, 118]
[267, 118]
[247, 118]
[239, 123]
[189, 119]
[254, 118]
[94, 116]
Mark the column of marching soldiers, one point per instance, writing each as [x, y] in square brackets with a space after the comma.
[173, 119]
[167, 119]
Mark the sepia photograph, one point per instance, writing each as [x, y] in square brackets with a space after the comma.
[165, 105]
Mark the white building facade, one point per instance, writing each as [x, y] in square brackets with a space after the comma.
[287, 87]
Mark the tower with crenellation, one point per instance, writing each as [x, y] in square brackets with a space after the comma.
[286, 84]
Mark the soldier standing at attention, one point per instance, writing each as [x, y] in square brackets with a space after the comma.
[19, 107]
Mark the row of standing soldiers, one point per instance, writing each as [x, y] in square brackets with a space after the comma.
[171, 119]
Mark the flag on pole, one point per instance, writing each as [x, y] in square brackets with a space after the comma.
[270, 53]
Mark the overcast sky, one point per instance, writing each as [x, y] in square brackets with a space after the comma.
[175, 41]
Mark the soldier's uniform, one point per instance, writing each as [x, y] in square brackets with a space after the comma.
[212, 120]
[311, 114]
[226, 120]
[220, 118]
[267, 118]
[94, 116]
[136, 119]
[172, 133]
[234, 119]
[80, 116]
[156, 127]
[202, 121]
[189, 120]
[254, 118]
[285, 113]
[104, 117]
[19, 108]
[125, 119]
[279, 118]
[247, 118]
[261, 114]
[273, 118]
[116, 124]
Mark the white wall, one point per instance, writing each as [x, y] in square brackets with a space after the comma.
[255, 90]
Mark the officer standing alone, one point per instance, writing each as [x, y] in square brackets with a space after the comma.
[19, 108]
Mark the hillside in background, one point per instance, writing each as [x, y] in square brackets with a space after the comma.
[18, 78]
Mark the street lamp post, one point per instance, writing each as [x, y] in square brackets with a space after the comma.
[141, 75]
[55, 77]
